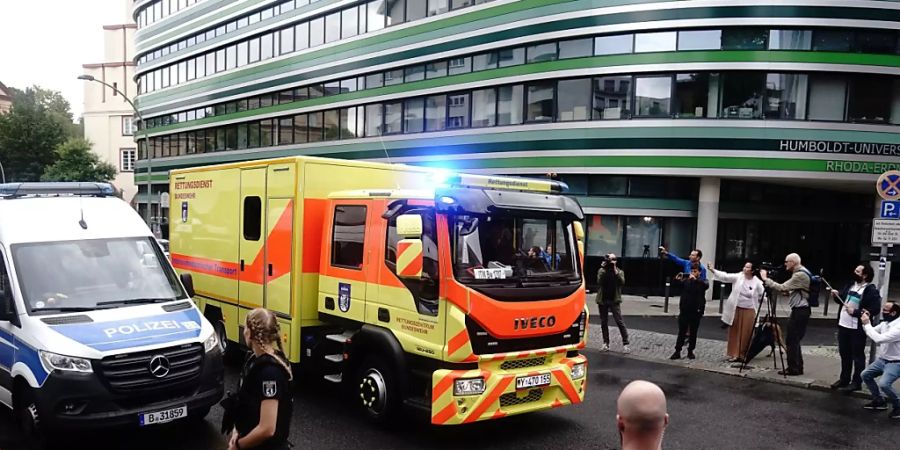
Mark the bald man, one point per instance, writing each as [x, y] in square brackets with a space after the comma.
[641, 416]
[796, 289]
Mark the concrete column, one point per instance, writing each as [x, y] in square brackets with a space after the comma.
[874, 260]
[708, 221]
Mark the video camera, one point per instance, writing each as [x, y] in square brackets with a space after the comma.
[771, 269]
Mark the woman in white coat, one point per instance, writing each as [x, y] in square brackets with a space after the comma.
[739, 310]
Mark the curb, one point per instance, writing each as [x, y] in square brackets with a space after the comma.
[806, 383]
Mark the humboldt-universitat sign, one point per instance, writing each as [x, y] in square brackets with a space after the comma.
[854, 148]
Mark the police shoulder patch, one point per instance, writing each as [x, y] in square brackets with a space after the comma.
[270, 389]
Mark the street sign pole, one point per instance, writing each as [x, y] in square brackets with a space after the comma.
[885, 231]
[882, 265]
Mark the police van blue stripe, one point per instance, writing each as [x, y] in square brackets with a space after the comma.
[13, 350]
[134, 332]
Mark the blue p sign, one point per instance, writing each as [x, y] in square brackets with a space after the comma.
[890, 210]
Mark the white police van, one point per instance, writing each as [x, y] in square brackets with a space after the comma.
[96, 329]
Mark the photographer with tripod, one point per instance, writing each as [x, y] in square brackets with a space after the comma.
[797, 290]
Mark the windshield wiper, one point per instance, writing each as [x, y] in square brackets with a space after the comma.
[64, 309]
[135, 301]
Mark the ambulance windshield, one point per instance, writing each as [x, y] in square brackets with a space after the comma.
[93, 274]
[513, 251]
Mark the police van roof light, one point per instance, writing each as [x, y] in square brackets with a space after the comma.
[56, 189]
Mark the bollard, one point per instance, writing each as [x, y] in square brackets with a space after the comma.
[666, 305]
[828, 297]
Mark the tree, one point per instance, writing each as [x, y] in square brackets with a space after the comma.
[76, 162]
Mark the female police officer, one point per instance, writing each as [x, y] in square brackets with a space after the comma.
[264, 401]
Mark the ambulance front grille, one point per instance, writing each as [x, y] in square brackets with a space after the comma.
[128, 373]
[512, 398]
[522, 363]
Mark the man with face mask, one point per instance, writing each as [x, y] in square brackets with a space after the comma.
[887, 335]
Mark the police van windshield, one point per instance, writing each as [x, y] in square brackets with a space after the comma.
[507, 250]
[93, 274]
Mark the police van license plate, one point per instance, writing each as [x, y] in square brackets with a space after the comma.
[163, 416]
[533, 381]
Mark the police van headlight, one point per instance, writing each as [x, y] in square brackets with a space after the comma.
[468, 386]
[578, 371]
[53, 361]
[211, 343]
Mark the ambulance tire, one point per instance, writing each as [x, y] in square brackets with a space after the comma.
[377, 389]
[28, 419]
[232, 354]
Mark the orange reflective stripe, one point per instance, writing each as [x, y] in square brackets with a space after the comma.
[445, 414]
[222, 269]
[442, 386]
[471, 358]
[556, 403]
[409, 258]
[488, 400]
[457, 342]
[566, 386]
[313, 240]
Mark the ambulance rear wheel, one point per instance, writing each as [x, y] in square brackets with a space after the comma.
[377, 389]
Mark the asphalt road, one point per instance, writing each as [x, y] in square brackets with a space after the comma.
[707, 411]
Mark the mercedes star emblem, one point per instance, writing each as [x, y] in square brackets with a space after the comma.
[159, 366]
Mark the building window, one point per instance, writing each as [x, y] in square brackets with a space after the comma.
[614, 45]
[509, 104]
[126, 159]
[642, 235]
[458, 116]
[574, 99]
[786, 96]
[576, 48]
[832, 40]
[541, 101]
[436, 113]
[542, 52]
[374, 119]
[870, 99]
[414, 115]
[484, 108]
[604, 234]
[827, 97]
[700, 40]
[790, 40]
[460, 65]
[691, 94]
[744, 39]
[128, 126]
[652, 96]
[663, 41]
[742, 95]
[393, 112]
[612, 98]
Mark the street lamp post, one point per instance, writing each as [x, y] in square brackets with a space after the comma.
[143, 129]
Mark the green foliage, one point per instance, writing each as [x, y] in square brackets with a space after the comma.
[76, 162]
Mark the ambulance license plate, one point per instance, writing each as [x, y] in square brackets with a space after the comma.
[533, 381]
[163, 416]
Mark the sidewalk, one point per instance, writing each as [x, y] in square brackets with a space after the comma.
[821, 363]
[633, 305]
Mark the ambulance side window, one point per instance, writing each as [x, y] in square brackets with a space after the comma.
[252, 218]
[425, 291]
[348, 236]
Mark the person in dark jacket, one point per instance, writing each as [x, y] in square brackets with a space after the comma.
[690, 310]
[610, 279]
[857, 296]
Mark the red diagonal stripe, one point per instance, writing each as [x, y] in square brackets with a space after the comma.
[445, 414]
[566, 386]
[457, 342]
[488, 400]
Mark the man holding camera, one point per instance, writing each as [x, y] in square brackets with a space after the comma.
[797, 290]
[610, 279]
[887, 334]
[685, 264]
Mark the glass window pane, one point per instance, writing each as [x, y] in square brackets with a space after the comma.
[266, 43]
[436, 7]
[691, 95]
[392, 77]
[348, 85]
[317, 32]
[414, 73]
[455, 4]
[870, 99]
[332, 88]
[396, 12]
[652, 96]
[895, 103]
[603, 234]
[373, 120]
[414, 116]
[574, 99]
[458, 115]
[287, 40]
[254, 50]
[316, 91]
[349, 234]
[266, 100]
[460, 65]
[374, 80]
[332, 27]
[832, 40]
[663, 41]
[641, 236]
[348, 123]
[540, 102]
[220, 60]
[876, 41]
[790, 39]
[301, 129]
[415, 10]
[484, 61]
[267, 133]
[242, 54]
[231, 57]
[375, 19]
[509, 104]
[827, 96]
[220, 139]
[613, 45]
[542, 52]
[744, 39]
[393, 114]
[484, 108]
[576, 48]
[511, 57]
[436, 113]
[286, 131]
[332, 125]
[301, 36]
[349, 23]
[785, 96]
[612, 97]
[742, 95]
[285, 96]
[316, 126]
[700, 40]
[436, 70]
[363, 16]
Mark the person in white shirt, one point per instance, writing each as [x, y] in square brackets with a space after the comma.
[859, 295]
[739, 311]
[887, 335]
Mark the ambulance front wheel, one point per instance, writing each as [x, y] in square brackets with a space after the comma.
[377, 389]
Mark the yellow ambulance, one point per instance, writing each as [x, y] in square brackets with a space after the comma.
[462, 295]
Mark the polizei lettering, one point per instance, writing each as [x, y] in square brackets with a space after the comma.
[525, 323]
[151, 325]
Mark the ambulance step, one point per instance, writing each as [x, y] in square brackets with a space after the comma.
[338, 358]
[333, 377]
[341, 338]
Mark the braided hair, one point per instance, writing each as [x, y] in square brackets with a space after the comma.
[266, 333]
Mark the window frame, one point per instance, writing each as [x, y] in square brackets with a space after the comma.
[334, 216]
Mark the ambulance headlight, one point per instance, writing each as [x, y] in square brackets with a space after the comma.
[578, 371]
[211, 343]
[468, 386]
[52, 361]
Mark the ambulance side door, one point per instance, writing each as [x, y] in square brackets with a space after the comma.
[346, 266]
[252, 238]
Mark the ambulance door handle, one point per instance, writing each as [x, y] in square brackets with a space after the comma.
[270, 270]
[242, 265]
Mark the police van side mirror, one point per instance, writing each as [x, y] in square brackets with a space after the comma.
[410, 256]
[7, 306]
[188, 281]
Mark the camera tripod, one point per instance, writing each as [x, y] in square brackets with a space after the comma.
[772, 320]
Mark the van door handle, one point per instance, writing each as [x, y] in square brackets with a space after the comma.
[242, 265]
[270, 270]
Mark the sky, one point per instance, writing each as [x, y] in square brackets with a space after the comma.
[45, 43]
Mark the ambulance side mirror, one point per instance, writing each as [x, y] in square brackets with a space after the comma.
[188, 281]
[579, 236]
[409, 249]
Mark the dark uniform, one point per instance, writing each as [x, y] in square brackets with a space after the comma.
[264, 378]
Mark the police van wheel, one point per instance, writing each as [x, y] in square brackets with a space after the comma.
[377, 389]
[29, 419]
